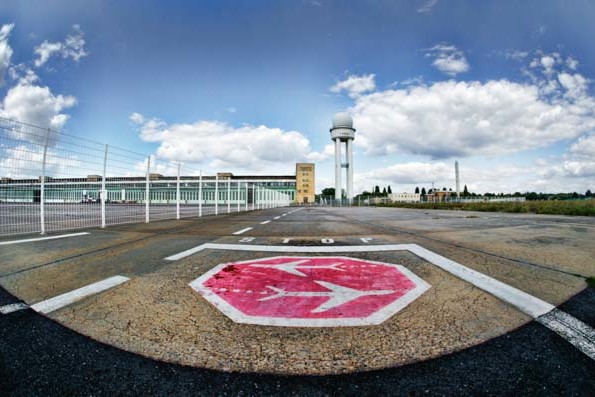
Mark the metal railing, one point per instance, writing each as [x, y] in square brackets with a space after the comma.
[52, 181]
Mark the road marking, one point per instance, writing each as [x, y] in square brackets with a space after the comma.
[6, 309]
[366, 239]
[277, 217]
[43, 238]
[60, 301]
[573, 330]
[265, 222]
[243, 231]
[579, 334]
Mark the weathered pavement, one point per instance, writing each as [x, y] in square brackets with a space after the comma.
[155, 334]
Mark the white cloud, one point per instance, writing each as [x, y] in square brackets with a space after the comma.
[577, 162]
[137, 118]
[24, 161]
[451, 118]
[232, 109]
[427, 6]
[575, 84]
[517, 55]
[36, 105]
[221, 146]
[5, 50]
[406, 177]
[72, 47]
[572, 63]
[448, 59]
[355, 85]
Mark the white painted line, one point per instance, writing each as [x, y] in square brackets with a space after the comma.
[60, 301]
[242, 231]
[6, 309]
[265, 222]
[277, 217]
[280, 248]
[528, 304]
[579, 334]
[43, 238]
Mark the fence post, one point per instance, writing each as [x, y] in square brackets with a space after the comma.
[42, 185]
[178, 194]
[216, 194]
[200, 195]
[103, 191]
[238, 195]
[147, 197]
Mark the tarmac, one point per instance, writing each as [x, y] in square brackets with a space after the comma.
[504, 308]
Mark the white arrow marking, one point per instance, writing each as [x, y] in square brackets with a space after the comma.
[338, 295]
[291, 267]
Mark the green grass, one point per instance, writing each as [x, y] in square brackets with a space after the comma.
[551, 207]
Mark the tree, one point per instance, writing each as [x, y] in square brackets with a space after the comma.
[443, 189]
[465, 191]
[384, 192]
[329, 191]
[423, 191]
[588, 194]
[389, 190]
[377, 189]
[417, 190]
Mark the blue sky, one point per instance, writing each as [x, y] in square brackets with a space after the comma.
[504, 87]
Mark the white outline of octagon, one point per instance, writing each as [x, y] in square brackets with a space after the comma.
[378, 317]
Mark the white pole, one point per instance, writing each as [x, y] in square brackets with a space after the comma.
[147, 198]
[103, 191]
[42, 186]
[246, 201]
[216, 194]
[253, 195]
[238, 194]
[178, 194]
[200, 194]
[349, 170]
[337, 169]
[228, 194]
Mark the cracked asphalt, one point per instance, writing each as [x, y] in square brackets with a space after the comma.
[155, 335]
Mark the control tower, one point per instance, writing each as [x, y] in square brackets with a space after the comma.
[343, 131]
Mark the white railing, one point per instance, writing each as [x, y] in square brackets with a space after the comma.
[54, 181]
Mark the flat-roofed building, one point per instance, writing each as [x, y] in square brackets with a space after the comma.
[405, 197]
[305, 183]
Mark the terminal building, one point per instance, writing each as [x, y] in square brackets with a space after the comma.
[227, 187]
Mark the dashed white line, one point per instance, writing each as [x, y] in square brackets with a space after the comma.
[6, 309]
[242, 231]
[277, 217]
[60, 301]
[579, 334]
[265, 222]
[43, 238]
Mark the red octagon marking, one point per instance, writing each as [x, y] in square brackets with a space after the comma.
[309, 291]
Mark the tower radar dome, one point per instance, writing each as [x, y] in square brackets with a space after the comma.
[342, 119]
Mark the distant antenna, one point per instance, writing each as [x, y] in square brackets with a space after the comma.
[458, 179]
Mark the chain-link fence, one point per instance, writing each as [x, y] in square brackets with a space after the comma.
[54, 181]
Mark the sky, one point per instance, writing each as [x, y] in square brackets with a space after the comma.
[250, 87]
